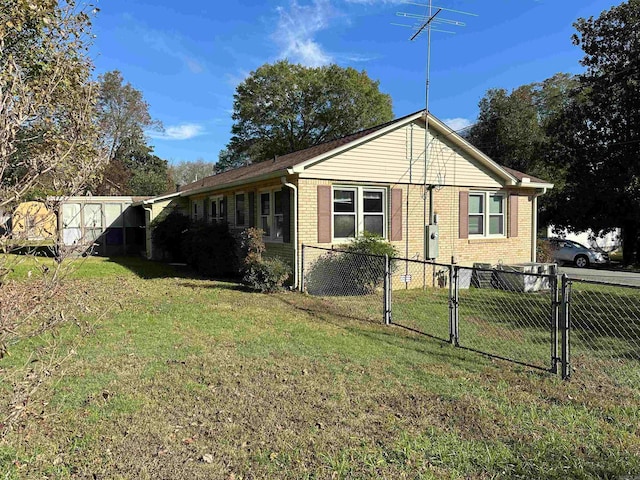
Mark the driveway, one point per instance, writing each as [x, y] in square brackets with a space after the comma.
[602, 275]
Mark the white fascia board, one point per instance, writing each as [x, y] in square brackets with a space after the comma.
[312, 161]
[160, 198]
[237, 183]
[546, 186]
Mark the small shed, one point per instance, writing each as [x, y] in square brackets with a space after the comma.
[106, 225]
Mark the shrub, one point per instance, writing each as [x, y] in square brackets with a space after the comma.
[358, 269]
[544, 251]
[266, 275]
[262, 274]
[211, 249]
[168, 234]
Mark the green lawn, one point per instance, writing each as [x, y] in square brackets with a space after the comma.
[175, 377]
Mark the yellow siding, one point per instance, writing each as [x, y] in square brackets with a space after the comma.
[398, 157]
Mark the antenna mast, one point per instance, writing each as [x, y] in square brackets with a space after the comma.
[422, 23]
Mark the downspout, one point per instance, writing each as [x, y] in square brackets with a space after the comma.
[148, 231]
[295, 230]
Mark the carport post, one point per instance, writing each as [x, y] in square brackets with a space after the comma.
[565, 320]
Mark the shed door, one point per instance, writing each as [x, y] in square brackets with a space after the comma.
[71, 232]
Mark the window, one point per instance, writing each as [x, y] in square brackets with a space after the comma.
[272, 215]
[485, 221]
[217, 209]
[195, 211]
[265, 213]
[358, 209]
[240, 218]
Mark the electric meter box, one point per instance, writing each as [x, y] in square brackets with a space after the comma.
[433, 236]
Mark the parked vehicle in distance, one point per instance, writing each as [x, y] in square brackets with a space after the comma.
[568, 251]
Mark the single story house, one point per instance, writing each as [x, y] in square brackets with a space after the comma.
[376, 180]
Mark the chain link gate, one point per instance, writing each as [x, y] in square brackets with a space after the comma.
[540, 320]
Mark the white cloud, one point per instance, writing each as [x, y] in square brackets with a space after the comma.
[184, 131]
[457, 123]
[297, 27]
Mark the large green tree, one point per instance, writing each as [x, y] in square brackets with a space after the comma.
[123, 117]
[603, 181]
[283, 107]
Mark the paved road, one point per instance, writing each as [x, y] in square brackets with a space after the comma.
[602, 275]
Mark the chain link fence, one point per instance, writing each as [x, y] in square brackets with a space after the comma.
[604, 329]
[353, 283]
[525, 314]
[507, 313]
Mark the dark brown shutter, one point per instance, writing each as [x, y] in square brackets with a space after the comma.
[205, 204]
[286, 215]
[396, 214]
[324, 214]
[225, 212]
[513, 215]
[463, 220]
[252, 209]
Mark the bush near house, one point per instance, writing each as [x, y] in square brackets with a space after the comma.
[210, 248]
[263, 274]
[168, 234]
[358, 274]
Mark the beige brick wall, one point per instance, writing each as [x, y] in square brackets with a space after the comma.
[466, 251]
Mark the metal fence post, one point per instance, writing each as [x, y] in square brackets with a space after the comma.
[387, 291]
[555, 305]
[565, 320]
[456, 305]
[302, 269]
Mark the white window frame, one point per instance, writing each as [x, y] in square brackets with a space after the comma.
[359, 210]
[218, 201]
[271, 216]
[486, 214]
[244, 208]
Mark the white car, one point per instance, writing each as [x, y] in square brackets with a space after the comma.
[576, 253]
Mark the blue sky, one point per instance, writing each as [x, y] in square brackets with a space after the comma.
[188, 56]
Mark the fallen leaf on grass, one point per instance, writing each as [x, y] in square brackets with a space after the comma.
[207, 458]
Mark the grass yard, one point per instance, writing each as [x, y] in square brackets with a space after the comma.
[175, 377]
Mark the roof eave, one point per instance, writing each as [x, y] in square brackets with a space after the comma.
[237, 183]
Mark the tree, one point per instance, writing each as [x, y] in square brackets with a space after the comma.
[605, 143]
[123, 116]
[283, 107]
[517, 129]
[48, 138]
[49, 144]
[527, 130]
[185, 172]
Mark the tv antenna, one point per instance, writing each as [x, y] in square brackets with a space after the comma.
[429, 21]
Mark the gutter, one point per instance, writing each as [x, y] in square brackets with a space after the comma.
[295, 230]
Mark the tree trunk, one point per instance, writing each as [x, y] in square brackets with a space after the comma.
[629, 243]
